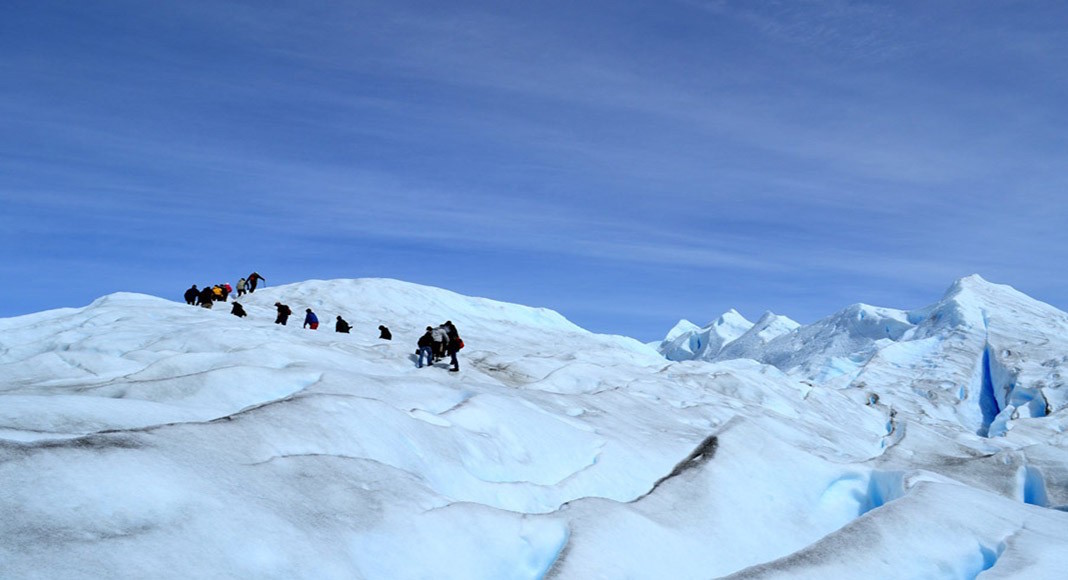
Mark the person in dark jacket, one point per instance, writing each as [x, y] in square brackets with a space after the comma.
[455, 344]
[426, 348]
[191, 295]
[283, 313]
[253, 278]
[342, 326]
[384, 333]
[310, 319]
[206, 297]
[238, 310]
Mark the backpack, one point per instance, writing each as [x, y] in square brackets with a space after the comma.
[459, 344]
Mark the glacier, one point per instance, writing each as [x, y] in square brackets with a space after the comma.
[141, 437]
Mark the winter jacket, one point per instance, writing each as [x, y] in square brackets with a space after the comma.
[342, 326]
[384, 333]
[238, 310]
[252, 279]
[427, 339]
[191, 295]
[311, 318]
[440, 334]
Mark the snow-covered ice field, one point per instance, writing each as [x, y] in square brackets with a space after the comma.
[144, 438]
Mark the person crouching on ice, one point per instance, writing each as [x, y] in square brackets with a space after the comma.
[342, 326]
[426, 348]
[311, 320]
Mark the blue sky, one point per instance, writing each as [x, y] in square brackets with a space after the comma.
[625, 163]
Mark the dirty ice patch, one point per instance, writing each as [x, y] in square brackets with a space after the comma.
[78, 415]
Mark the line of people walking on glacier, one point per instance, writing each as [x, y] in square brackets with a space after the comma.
[207, 296]
[437, 343]
[311, 321]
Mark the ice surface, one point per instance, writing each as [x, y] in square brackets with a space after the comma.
[141, 437]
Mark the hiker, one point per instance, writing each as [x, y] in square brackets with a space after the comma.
[227, 290]
[455, 344]
[283, 313]
[191, 295]
[310, 319]
[384, 333]
[426, 344]
[238, 310]
[342, 326]
[217, 293]
[241, 287]
[206, 297]
[441, 337]
[253, 278]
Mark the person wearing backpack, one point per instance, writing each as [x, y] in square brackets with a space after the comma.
[206, 297]
[283, 313]
[342, 326]
[426, 345]
[384, 332]
[241, 287]
[454, 346]
[191, 295]
[238, 310]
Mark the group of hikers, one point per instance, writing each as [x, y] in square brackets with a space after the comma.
[437, 342]
[434, 345]
[208, 295]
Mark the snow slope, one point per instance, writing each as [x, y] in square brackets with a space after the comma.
[141, 437]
